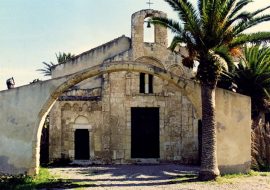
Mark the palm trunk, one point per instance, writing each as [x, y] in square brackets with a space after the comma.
[260, 149]
[209, 168]
[257, 119]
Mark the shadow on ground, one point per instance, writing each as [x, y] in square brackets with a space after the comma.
[128, 175]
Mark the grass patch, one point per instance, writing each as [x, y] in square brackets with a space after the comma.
[43, 180]
[249, 174]
[185, 178]
[23, 182]
[259, 173]
[229, 178]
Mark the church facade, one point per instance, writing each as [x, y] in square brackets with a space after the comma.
[126, 117]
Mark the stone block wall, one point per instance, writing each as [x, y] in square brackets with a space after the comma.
[110, 132]
[110, 121]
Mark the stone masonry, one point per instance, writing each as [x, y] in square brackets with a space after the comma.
[105, 102]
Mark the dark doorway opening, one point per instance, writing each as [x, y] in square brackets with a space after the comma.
[44, 146]
[145, 133]
[82, 144]
[200, 140]
[44, 142]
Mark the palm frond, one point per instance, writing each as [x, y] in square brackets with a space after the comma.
[175, 41]
[238, 7]
[169, 23]
[255, 13]
[244, 25]
[61, 58]
[258, 37]
[47, 70]
[187, 14]
[252, 75]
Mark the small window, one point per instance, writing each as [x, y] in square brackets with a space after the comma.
[150, 83]
[146, 83]
[142, 82]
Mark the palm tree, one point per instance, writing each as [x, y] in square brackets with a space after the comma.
[252, 77]
[61, 58]
[210, 32]
[64, 57]
[47, 70]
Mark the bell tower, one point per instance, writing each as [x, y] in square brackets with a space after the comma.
[138, 20]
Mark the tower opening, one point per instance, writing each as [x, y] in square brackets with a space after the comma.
[149, 31]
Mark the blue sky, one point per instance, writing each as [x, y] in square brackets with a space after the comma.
[32, 31]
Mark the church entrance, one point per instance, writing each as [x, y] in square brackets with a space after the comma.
[145, 132]
[81, 144]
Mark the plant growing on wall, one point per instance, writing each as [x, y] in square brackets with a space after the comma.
[60, 57]
[210, 32]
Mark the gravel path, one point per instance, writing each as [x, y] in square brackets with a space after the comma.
[152, 177]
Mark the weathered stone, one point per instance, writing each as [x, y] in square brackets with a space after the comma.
[104, 103]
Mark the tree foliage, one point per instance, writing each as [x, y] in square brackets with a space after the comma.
[211, 32]
[252, 76]
[61, 59]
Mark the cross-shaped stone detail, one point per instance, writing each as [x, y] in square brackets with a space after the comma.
[149, 3]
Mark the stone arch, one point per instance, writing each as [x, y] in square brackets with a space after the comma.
[188, 88]
[84, 107]
[177, 70]
[81, 120]
[22, 124]
[66, 107]
[150, 60]
[76, 107]
[156, 84]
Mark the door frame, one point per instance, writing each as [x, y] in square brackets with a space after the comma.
[82, 126]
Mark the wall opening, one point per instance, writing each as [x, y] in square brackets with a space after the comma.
[82, 144]
[199, 141]
[149, 31]
[44, 142]
[145, 132]
[146, 83]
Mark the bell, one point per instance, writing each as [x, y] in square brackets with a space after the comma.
[148, 25]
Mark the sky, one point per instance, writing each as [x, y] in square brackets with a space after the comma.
[32, 31]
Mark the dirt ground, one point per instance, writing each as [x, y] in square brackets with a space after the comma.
[153, 177]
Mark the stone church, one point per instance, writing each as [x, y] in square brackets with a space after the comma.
[126, 117]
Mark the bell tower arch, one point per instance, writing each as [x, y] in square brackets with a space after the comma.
[137, 28]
